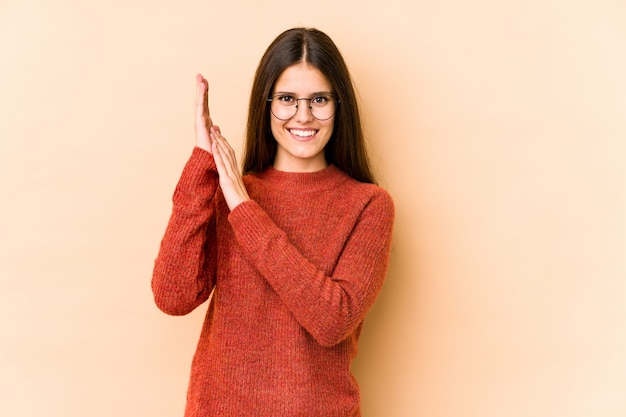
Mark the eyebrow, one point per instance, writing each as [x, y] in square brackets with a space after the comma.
[315, 94]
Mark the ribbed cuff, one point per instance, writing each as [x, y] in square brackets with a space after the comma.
[199, 179]
[252, 226]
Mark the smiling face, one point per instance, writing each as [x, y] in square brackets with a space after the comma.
[301, 139]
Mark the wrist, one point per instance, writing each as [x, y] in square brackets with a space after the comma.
[237, 201]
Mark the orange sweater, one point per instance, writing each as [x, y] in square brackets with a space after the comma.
[294, 272]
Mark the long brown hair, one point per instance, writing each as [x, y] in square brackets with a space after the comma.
[346, 147]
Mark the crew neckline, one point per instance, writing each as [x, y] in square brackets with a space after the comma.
[326, 178]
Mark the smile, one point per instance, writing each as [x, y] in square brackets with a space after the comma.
[302, 133]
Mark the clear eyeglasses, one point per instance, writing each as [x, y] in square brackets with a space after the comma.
[285, 106]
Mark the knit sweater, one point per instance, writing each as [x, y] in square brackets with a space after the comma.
[293, 273]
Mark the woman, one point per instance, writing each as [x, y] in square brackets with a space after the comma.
[295, 251]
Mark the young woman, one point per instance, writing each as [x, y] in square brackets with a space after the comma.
[295, 251]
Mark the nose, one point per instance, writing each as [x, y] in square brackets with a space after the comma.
[303, 110]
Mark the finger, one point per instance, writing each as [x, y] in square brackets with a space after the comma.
[199, 91]
[202, 96]
[205, 102]
[225, 146]
[228, 169]
[219, 162]
[230, 175]
[200, 119]
[225, 156]
[222, 144]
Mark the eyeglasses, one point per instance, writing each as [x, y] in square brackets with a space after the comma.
[285, 106]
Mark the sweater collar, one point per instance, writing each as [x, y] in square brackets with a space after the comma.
[325, 179]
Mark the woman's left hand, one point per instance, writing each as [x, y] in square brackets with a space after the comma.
[231, 181]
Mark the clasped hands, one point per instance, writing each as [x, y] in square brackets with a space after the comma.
[209, 137]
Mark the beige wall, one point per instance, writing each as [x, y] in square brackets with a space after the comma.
[499, 128]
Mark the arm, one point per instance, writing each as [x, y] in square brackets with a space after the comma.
[328, 307]
[184, 270]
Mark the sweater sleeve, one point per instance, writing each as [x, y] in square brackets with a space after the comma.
[184, 270]
[328, 307]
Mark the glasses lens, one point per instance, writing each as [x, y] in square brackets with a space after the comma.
[322, 107]
[285, 107]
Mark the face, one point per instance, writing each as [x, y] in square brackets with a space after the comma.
[301, 139]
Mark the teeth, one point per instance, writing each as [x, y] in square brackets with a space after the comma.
[302, 133]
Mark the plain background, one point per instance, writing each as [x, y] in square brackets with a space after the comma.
[498, 127]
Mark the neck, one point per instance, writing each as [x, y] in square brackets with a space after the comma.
[304, 165]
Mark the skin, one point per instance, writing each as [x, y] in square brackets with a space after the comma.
[294, 153]
[209, 137]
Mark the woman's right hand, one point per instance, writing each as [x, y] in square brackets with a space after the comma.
[203, 119]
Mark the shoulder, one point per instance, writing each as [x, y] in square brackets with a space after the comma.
[368, 189]
[371, 199]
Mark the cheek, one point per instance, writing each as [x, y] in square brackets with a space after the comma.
[330, 128]
[275, 127]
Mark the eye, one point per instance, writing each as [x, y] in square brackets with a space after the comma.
[320, 101]
[286, 99]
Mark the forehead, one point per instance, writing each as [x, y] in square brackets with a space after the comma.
[303, 79]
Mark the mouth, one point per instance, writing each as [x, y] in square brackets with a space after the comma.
[303, 134]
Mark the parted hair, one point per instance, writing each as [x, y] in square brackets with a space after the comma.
[346, 148]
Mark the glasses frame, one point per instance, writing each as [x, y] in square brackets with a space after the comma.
[270, 100]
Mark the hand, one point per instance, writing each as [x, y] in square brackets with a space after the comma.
[203, 119]
[231, 181]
